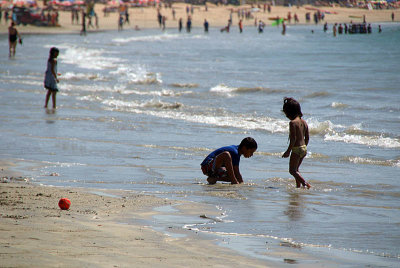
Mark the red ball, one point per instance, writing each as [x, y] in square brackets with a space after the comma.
[64, 203]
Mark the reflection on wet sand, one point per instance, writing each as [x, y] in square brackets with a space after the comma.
[295, 207]
[50, 112]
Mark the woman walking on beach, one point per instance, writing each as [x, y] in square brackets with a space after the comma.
[50, 79]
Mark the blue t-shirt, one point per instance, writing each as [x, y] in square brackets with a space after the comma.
[233, 150]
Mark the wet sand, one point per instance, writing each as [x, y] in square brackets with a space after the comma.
[99, 230]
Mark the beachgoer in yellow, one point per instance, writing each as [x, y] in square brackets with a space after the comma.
[299, 137]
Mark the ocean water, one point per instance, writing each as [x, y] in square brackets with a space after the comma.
[139, 110]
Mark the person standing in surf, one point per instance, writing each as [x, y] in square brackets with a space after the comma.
[13, 36]
[50, 79]
[223, 163]
[299, 137]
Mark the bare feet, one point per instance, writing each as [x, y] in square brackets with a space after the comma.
[308, 185]
[212, 180]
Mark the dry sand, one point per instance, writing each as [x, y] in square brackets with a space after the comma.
[97, 231]
[216, 15]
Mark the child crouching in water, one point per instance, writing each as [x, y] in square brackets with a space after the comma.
[223, 163]
[299, 137]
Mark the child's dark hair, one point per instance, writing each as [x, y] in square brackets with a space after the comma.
[53, 52]
[291, 108]
[249, 143]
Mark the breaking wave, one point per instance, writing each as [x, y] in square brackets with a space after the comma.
[317, 95]
[161, 93]
[82, 76]
[369, 161]
[377, 141]
[224, 89]
[137, 75]
[185, 85]
[92, 59]
[149, 104]
[339, 105]
[156, 38]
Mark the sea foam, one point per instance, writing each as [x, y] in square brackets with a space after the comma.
[92, 59]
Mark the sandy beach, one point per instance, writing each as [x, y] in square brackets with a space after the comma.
[97, 231]
[217, 16]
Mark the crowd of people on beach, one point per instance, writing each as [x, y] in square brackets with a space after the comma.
[88, 18]
[247, 14]
[352, 28]
[46, 16]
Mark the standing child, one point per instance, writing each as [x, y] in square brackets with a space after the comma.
[223, 163]
[299, 137]
[50, 79]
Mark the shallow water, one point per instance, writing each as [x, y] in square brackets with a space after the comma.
[140, 111]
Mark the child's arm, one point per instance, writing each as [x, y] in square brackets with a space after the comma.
[306, 134]
[237, 174]
[292, 138]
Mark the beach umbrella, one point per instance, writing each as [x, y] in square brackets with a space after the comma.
[24, 2]
[53, 2]
[66, 3]
[19, 3]
[114, 3]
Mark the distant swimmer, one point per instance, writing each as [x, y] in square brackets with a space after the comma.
[83, 30]
[325, 27]
[296, 18]
[206, 26]
[163, 22]
[299, 137]
[334, 29]
[180, 25]
[223, 163]
[13, 36]
[240, 26]
[261, 26]
[120, 23]
[340, 29]
[226, 28]
[189, 24]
